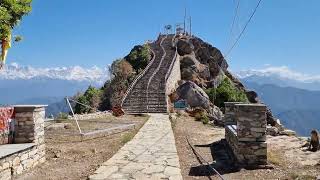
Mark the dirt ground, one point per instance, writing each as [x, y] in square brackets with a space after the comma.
[207, 142]
[69, 157]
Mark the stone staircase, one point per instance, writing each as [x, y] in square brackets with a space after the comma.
[147, 94]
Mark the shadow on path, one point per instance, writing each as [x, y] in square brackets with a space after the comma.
[224, 160]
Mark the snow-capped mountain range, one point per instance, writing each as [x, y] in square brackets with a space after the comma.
[27, 84]
[282, 72]
[281, 76]
[94, 74]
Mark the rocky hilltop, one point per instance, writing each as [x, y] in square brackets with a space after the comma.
[205, 83]
[204, 67]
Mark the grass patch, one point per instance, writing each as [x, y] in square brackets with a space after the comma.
[127, 137]
[201, 116]
[275, 158]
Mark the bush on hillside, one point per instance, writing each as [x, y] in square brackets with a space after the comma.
[62, 115]
[92, 98]
[121, 68]
[139, 57]
[123, 72]
[226, 92]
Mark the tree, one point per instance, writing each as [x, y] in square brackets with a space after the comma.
[92, 98]
[11, 13]
[139, 57]
[226, 92]
[121, 68]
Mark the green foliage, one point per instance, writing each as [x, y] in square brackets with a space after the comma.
[62, 115]
[226, 92]
[123, 72]
[202, 116]
[18, 38]
[92, 98]
[127, 137]
[11, 12]
[205, 119]
[139, 57]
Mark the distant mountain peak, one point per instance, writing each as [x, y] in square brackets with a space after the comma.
[74, 73]
[280, 72]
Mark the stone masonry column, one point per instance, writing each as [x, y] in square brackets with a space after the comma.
[251, 122]
[29, 125]
[229, 113]
[251, 133]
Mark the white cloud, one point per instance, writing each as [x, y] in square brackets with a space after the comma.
[283, 72]
[74, 73]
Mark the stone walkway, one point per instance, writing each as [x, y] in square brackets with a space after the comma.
[151, 154]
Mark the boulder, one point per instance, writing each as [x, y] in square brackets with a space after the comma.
[188, 74]
[252, 96]
[184, 47]
[271, 130]
[216, 115]
[287, 132]
[194, 95]
[189, 61]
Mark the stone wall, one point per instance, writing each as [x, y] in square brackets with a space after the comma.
[251, 122]
[20, 162]
[229, 113]
[97, 115]
[247, 139]
[174, 76]
[29, 128]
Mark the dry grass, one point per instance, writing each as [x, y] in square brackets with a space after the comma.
[127, 137]
[297, 176]
[276, 158]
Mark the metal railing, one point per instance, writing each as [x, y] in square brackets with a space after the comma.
[139, 77]
[157, 70]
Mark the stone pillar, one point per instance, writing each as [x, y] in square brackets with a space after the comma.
[251, 122]
[29, 125]
[229, 113]
[251, 133]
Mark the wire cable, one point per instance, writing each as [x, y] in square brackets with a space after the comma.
[202, 159]
[233, 22]
[245, 27]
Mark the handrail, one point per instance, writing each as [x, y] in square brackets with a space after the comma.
[157, 70]
[139, 76]
[172, 63]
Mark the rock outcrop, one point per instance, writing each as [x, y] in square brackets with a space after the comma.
[205, 65]
[193, 95]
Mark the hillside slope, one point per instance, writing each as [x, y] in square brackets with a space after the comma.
[297, 109]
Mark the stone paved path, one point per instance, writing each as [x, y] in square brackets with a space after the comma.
[151, 154]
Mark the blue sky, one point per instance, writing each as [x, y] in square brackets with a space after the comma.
[88, 33]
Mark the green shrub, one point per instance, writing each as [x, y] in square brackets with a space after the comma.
[197, 116]
[62, 115]
[139, 57]
[226, 92]
[204, 119]
[202, 116]
[92, 98]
